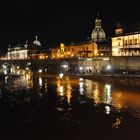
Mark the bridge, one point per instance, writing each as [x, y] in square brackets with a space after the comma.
[49, 65]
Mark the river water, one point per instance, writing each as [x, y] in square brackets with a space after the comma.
[68, 108]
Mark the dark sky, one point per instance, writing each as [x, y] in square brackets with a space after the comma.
[61, 21]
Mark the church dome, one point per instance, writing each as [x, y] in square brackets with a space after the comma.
[37, 42]
[98, 33]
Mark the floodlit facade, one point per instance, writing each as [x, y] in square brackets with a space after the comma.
[125, 44]
[27, 51]
[17, 53]
[98, 33]
[87, 57]
[86, 49]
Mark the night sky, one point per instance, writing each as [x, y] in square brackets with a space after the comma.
[63, 21]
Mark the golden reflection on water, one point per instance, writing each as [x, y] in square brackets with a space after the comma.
[117, 122]
[112, 97]
[27, 79]
[64, 88]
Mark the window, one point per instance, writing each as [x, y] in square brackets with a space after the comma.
[135, 42]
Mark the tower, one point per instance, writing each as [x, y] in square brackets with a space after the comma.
[119, 30]
[98, 33]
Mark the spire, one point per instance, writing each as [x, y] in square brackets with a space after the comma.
[37, 42]
[97, 21]
[36, 37]
[98, 16]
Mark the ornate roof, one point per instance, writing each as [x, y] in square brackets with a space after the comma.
[98, 33]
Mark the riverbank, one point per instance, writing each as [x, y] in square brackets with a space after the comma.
[126, 80]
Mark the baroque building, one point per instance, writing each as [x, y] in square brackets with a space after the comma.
[98, 33]
[92, 56]
[125, 44]
[26, 51]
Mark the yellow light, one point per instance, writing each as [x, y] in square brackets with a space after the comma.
[95, 52]
[62, 47]
[105, 59]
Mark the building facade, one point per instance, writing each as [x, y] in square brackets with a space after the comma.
[27, 51]
[91, 56]
[127, 44]
[85, 49]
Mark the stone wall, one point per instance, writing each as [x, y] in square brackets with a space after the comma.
[126, 62]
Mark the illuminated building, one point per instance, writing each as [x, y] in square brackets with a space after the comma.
[97, 46]
[127, 44]
[86, 49]
[27, 51]
[88, 57]
[98, 33]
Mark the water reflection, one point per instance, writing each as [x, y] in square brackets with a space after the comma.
[96, 94]
[105, 97]
[27, 79]
[40, 82]
[117, 122]
[81, 88]
[64, 88]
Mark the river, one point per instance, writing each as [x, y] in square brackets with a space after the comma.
[68, 108]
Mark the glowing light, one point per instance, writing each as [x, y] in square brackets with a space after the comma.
[106, 59]
[107, 91]
[80, 79]
[6, 79]
[107, 109]
[61, 75]
[89, 59]
[5, 72]
[117, 122]
[81, 89]
[27, 68]
[40, 82]
[96, 94]
[4, 66]
[61, 90]
[65, 66]
[18, 72]
[27, 77]
[108, 67]
[80, 68]
[40, 70]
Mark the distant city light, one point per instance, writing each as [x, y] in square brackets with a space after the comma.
[80, 79]
[61, 89]
[107, 109]
[40, 70]
[80, 68]
[61, 75]
[64, 66]
[4, 66]
[108, 67]
[40, 82]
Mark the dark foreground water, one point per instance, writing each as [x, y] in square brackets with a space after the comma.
[38, 108]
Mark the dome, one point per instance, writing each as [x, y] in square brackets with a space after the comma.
[37, 42]
[98, 33]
